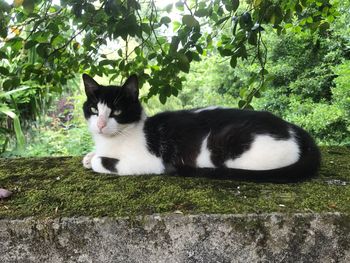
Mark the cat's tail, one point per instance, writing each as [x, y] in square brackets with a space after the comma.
[305, 168]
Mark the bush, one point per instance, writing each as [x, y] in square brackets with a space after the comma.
[326, 122]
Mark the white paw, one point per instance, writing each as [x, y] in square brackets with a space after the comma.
[87, 160]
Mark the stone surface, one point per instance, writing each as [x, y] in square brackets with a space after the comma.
[4, 193]
[170, 238]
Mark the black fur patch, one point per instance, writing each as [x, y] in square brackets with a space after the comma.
[177, 136]
[109, 163]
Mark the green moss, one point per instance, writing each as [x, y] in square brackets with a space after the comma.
[53, 187]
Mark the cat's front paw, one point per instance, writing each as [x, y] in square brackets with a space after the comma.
[87, 160]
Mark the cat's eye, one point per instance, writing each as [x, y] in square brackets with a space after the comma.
[94, 110]
[117, 112]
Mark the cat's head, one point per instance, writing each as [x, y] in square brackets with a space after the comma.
[111, 109]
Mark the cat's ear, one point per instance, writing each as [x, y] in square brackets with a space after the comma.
[91, 86]
[131, 87]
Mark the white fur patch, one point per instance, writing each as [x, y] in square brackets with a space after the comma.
[267, 153]
[203, 159]
[130, 148]
[87, 160]
[207, 108]
[103, 110]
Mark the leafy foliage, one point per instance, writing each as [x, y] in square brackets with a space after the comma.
[44, 45]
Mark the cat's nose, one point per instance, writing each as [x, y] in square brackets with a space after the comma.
[101, 124]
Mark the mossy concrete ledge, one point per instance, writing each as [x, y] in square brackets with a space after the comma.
[61, 212]
[179, 238]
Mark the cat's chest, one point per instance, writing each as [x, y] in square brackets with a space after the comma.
[121, 146]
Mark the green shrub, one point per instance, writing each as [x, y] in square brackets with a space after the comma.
[326, 122]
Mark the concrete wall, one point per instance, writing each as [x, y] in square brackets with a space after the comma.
[179, 238]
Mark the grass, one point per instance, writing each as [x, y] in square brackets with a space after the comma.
[55, 187]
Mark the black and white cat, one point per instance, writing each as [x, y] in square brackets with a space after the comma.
[211, 142]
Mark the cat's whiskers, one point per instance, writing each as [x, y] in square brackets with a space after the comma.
[124, 133]
[120, 132]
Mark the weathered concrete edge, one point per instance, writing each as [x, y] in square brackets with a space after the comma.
[179, 238]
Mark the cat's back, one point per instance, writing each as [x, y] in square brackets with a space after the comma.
[185, 130]
[214, 117]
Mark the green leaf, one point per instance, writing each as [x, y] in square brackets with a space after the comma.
[16, 43]
[233, 62]
[241, 103]
[165, 20]
[77, 9]
[298, 8]
[3, 55]
[122, 65]
[106, 62]
[263, 72]
[241, 52]
[235, 4]
[42, 50]
[175, 40]
[41, 37]
[324, 26]
[4, 71]
[29, 44]
[195, 37]
[135, 4]
[168, 8]
[246, 20]
[242, 92]
[180, 5]
[145, 27]
[28, 5]
[57, 40]
[225, 52]
[5, 7]
[175, 91]
[249, 107]
[162, 98]
[138, 51]
[199, 49]
[7, 84]
[201, 12]
[252, 38]
[7, 111]
[88, 40]
[183, 63]
[257, 94]
[152, 56]
[167, 90]
[8, 93]
[231, 5]
[176, 25]
[195, 56]
[277, 16]
[222, 20]
[190, 21]
[19, 133]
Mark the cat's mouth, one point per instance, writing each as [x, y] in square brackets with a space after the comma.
[114, 130]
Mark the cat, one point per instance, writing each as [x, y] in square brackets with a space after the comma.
[215, 142]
